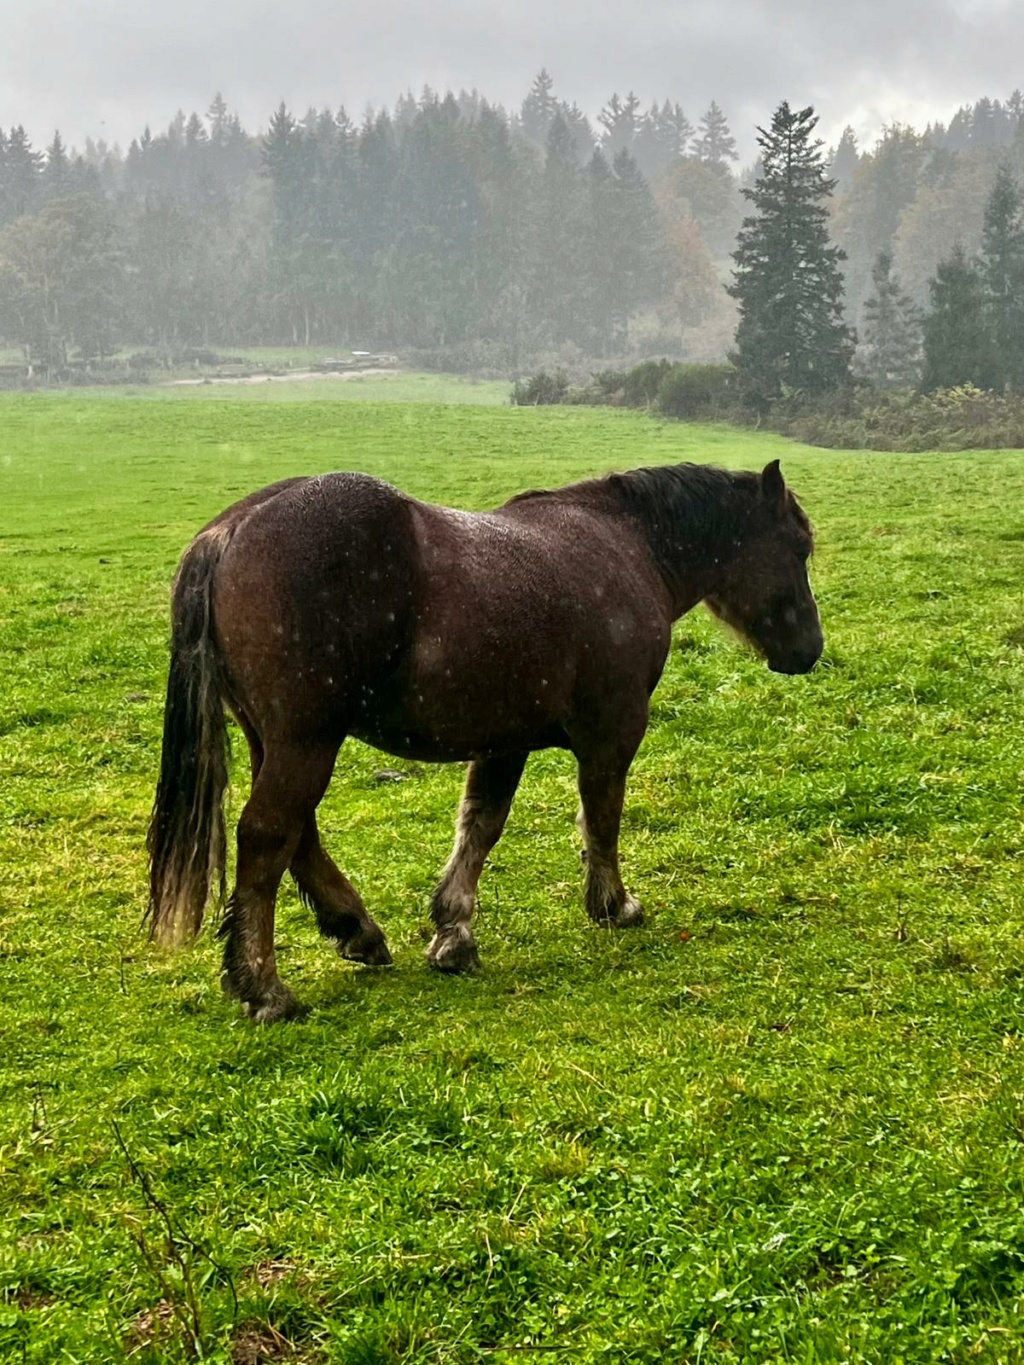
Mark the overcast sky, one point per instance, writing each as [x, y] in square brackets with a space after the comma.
[105, 68]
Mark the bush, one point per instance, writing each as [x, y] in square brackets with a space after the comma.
[540, 388]
[691, 391]
[642, 385]
[962, 418]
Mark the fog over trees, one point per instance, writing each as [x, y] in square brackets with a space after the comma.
[459, 232]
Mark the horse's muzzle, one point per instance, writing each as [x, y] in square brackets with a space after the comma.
[797, 660]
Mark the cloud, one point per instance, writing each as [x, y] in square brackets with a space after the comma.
[112, 66]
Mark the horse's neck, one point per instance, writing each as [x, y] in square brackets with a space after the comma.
[689, 561]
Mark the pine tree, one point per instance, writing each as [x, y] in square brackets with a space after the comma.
[57, 170]
[217, 117]
[890, 350]
[678, 128]
[788, 282]
[539, 108]
[714, 143]
[846, 158]
[621, 121]
[957, 344]
[20, 173]
[1002, 272]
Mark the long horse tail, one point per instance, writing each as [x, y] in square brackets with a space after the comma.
[186, 842]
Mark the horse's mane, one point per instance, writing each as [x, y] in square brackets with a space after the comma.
[700, 506]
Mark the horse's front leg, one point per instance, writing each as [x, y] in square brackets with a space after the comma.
[490, 786]
[602, 783]
[288, 787]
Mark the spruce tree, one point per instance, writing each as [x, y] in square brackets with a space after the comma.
[846, 158]
[714, 143]
[621, 121]
[1002, 272]
[20, 174]
[890, 350]
[788, 282]
[958, 347]
[57, 168]
[539, 108]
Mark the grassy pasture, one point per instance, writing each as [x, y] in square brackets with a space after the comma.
[399, 386]
[782, 1122]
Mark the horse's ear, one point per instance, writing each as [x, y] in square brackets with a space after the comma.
[773, 486]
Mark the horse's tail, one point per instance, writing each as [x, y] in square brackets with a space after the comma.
[186, 842]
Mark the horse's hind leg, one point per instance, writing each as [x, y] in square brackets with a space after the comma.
[490, 786]
[602, 781]
[340, 913]
[288, 787]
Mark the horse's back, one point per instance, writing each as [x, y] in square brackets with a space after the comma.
[313, 594]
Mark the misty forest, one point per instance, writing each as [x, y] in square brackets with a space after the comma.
[475, 238]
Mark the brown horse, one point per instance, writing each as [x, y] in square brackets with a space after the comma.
[336, 605]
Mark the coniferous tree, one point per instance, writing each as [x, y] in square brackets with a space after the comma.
[958, 346]
[889, 353]
[869, 213]
[788, 283]
[621, 121]
[20, 172]
[846, 159]
[559, 225]
[1002, 272]
[57, 171]
[714, 143]
[539, 108]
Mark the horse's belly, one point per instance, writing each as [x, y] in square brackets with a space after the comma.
[426, 746]
[454, 701]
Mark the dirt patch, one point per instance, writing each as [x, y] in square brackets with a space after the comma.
[257, 1343]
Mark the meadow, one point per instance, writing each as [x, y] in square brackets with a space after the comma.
[784, 1121]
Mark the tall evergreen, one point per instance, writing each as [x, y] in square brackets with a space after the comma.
[958, 346]
[846, 158]
[1002, 272]
[788, 283]
[20, 172]
[714, 143]
[889, 353]
[620, 121]
[56, 172]
[539, 108]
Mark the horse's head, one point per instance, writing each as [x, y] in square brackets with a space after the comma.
[763, 591]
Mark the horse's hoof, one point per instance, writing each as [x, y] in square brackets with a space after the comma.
[626, 916]
[276, 1006]
[368, 948]
[629, 916]
[453, 952]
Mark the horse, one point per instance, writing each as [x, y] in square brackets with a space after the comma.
[336, 605]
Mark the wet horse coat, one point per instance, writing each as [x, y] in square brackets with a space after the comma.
[337, 605]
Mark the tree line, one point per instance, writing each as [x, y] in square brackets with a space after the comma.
[440, 224]
[450, 228]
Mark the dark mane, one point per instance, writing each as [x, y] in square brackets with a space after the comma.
[692, 504]
[695, 505]
[696, 508]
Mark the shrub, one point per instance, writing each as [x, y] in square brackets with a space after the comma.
[642, 385]
[961, 418]
[690, 391]
[540, 388]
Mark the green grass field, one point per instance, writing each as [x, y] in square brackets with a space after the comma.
[782, 1122]
[399, 386]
